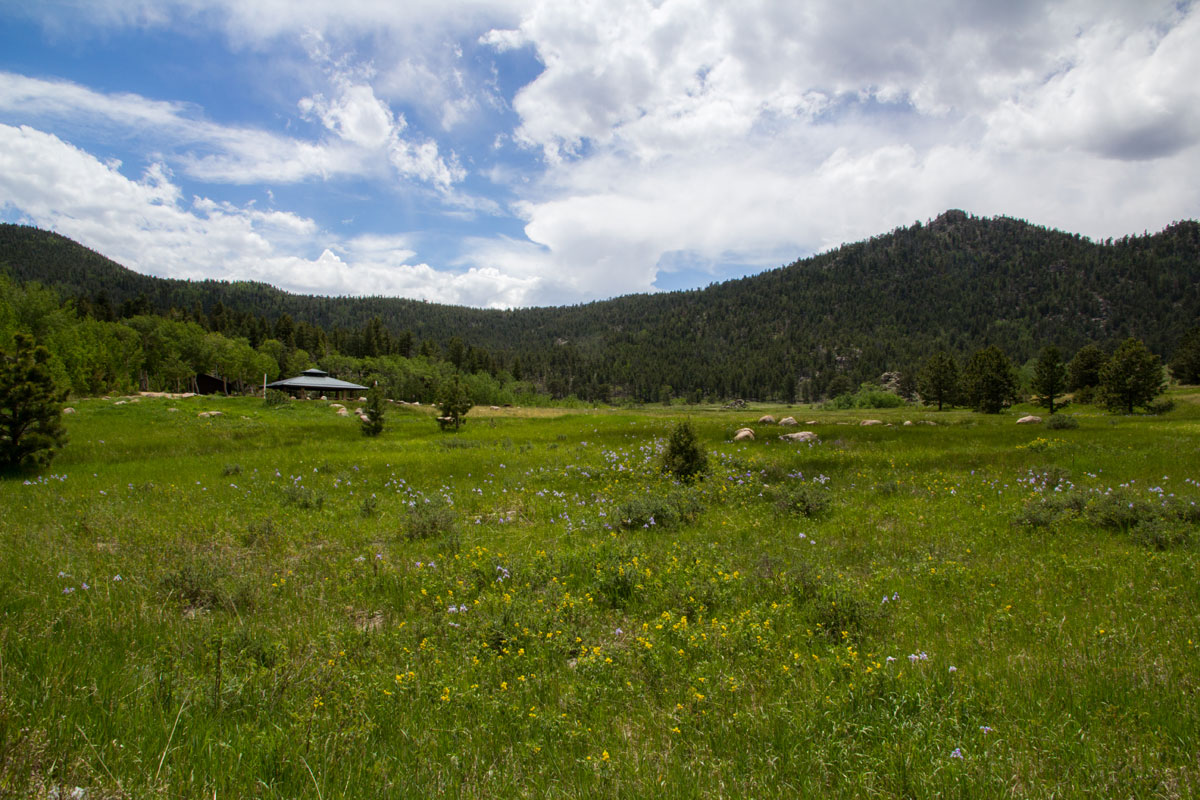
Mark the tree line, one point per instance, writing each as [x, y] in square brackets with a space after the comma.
[807, 331]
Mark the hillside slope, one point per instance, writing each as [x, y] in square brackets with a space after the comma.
[959, 282]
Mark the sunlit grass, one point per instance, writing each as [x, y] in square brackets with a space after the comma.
[267, 603]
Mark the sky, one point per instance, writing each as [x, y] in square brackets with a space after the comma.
[500, 153]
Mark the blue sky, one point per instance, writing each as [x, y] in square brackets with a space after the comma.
[501, 153]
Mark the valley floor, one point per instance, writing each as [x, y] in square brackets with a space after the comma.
[266, 603]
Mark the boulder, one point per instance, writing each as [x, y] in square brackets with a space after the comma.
[800, 436]
[120, 402]
[209, 414]
[766, 419]
[907, 422]
[744, 435]
[336, 405]
[68, 410]
[343, 411]
[1029, 420]
[788, 421]
[811, 422]
[871, 422]
[173, 410]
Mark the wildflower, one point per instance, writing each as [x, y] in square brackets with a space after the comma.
[84, 586]
[953, 669]
[890, 659]
[116, 578]
[956, 753]
[68, 590]
[985, 729]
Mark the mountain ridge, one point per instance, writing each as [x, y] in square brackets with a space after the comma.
[956, 282]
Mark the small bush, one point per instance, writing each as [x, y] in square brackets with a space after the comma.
[1164, 406]
[370, 505]
[659, 511]
[427, 520]
[805, 499]
[260, 533]
[303, 497]
[201, 584]
[1120, 509]
[275, 398]
[232, 469]
[1061, 422]
[1037, 514]
[685, 457]
[1161, 534]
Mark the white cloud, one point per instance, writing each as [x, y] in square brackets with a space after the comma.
[367, 136]
[746, 133]
[148, 226]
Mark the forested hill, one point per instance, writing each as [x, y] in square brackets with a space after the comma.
[959, 282]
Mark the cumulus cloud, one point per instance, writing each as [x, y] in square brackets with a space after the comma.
[659, 133]
[366, 136]
[739, 133]
[148, 225]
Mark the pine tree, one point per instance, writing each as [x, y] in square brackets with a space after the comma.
[1083, 373]
[1049, 376]
[1185, 366]
[1132, 377]
[989, 380]
[455, 402]
[684, 457]
[373, 425]
[31, 428]
[937, 382]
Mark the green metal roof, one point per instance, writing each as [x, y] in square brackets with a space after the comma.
[315, 380]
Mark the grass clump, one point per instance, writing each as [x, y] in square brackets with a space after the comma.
[805, 499]
[1061, 422]
[427, 520]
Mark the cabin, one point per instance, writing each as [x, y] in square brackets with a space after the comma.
[316, 382]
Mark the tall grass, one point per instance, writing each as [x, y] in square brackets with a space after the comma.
[267, 604]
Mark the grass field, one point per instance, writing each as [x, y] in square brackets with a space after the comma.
[268, 604]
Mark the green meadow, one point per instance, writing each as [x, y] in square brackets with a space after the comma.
[268, 604]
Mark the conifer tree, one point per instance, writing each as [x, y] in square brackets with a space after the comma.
[373, 425]
[684, 457]
[989, 380]
[1132, 377]
[31, 428]
[937, 382]
[1083, 373]
[1185, 366]
[455, 402]
[1049, 376]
